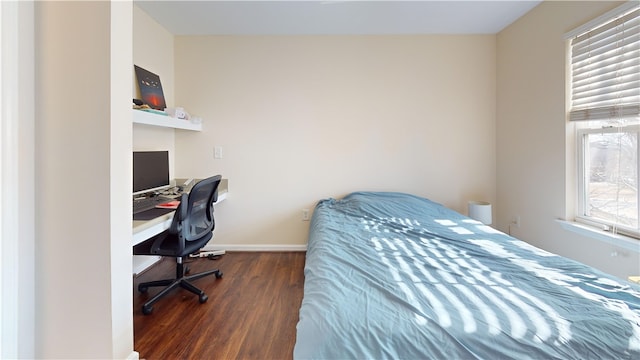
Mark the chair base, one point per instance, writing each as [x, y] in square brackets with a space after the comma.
[182, 281]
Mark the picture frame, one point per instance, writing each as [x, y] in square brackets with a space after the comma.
[150, 88]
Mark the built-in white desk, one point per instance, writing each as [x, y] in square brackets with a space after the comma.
[144, 229]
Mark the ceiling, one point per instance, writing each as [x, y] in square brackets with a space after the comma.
[336, 17]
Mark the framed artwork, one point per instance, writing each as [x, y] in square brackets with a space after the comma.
[150, 88]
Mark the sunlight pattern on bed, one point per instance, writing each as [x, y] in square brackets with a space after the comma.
[453, 262]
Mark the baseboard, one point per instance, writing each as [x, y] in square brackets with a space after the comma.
[143, 262]
[134, 356]
[255, 247]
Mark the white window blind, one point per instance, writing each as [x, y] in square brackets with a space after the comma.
[605, 69]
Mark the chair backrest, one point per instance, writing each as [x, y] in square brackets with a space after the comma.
[194, 219]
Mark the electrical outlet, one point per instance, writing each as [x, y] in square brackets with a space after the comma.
[305, 214]
[516, 221]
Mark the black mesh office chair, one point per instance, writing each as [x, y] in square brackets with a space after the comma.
[190, 230]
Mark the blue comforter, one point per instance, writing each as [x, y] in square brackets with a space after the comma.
[395, 276]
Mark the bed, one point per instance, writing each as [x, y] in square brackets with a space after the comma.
[397, 276]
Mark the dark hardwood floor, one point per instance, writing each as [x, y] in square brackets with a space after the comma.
[251, 313]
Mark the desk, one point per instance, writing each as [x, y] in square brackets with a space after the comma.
[144, 229]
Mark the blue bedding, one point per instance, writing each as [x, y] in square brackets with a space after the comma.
[396, 276]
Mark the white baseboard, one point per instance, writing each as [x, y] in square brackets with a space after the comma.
[256, 247]
[134, 356]
[143, 262]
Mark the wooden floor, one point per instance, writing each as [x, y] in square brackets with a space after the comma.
[251, 313]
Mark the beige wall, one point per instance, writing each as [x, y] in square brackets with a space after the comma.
[153, 51]
[533, 142]
[83, 281]
[302, 118]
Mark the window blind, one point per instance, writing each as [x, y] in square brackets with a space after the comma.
[605, 70]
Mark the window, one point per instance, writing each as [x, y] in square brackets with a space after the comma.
[608, 178]
[605, 106]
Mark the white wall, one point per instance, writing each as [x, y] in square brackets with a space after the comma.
[121, 53]
[82, 152]
[17, 236]
[302, 118]
[533, 142]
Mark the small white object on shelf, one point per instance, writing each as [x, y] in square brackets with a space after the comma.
[149, 118]
[177, 113]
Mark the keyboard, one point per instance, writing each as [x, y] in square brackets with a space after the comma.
[148, 203]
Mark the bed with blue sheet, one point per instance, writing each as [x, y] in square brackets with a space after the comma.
[396, 276]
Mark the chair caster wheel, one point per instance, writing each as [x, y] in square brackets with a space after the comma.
[142, 289]
[218, 274]
[187, 270]
[203, 298]
[147, 309]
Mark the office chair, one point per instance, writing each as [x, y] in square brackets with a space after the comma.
[190, 230]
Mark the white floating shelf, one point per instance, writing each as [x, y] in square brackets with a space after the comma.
[149, 118]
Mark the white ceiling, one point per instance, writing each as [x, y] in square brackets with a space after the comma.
[214, 17]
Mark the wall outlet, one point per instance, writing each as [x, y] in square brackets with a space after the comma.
[516, 221]
[305, 214]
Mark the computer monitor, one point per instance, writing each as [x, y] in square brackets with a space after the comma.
[150, 171]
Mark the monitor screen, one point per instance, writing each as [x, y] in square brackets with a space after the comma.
[150, 171]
